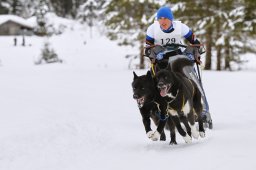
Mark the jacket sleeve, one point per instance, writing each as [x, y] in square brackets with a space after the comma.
[192, 39]
[189, 35]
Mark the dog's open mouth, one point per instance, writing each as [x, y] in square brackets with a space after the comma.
[164, 90]
[140, 102]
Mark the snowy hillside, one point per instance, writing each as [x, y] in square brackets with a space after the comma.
[80, 114]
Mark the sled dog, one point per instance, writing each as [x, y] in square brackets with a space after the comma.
[152, 107]
[183, 97]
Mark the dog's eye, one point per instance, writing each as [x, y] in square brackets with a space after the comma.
[165, 77]
[142, 88]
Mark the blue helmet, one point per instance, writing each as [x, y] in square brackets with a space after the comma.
[165, 12]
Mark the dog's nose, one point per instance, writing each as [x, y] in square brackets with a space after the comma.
[135, 96]
[160, 84]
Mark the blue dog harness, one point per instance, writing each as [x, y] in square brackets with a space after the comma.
[158, 114]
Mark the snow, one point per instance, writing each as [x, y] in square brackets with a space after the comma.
[14, 18]
[80, 114]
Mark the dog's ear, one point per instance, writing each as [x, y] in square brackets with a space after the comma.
[149, 74]
[134, 75]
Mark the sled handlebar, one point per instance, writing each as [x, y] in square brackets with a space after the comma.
[175, 45]
[171, 49]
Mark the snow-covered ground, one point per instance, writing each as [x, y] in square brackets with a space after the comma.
[80, 114]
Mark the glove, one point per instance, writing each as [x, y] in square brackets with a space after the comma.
[160, 56]
[148, 52]
[197, 57]
[197, 60]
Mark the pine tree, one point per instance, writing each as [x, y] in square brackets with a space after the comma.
[29, 8]
[4, 6]
[89, 13]
[16, 7]
[198, 16]
[246, 24]
[58, 7]
[11, 7]
[66, 8]
[127, 21]
[217, 24]
[237, 28]
[40, 18]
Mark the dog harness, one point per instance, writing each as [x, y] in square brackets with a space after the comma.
[153, 69]
[183, 98]
[158, 114]
[166, 116]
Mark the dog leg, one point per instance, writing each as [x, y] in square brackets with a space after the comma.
[163, 137]
[202, 134]
[198, 110]
[187, 138]
[173, 138]
[201, 128]
[185, 122]
[184, 134]
[172, 131]
[194, 131]
[160, 127]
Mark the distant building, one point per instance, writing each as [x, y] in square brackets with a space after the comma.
[15, 25]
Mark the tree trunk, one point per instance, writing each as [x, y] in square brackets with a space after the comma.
[218, 57]
[227, 54]
[218, 47]
[142, 64]
[208, 62]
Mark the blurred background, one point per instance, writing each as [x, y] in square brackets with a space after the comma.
[227, 28]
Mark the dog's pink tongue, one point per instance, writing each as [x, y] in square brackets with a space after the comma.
[163, 93]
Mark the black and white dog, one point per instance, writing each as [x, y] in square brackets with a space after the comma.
[183, 96]
[152, 106]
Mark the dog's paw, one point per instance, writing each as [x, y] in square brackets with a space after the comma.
[173, 143]
[187, 138]
[156, 135]
[202, 134]
[150, 134]
[194, 132]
